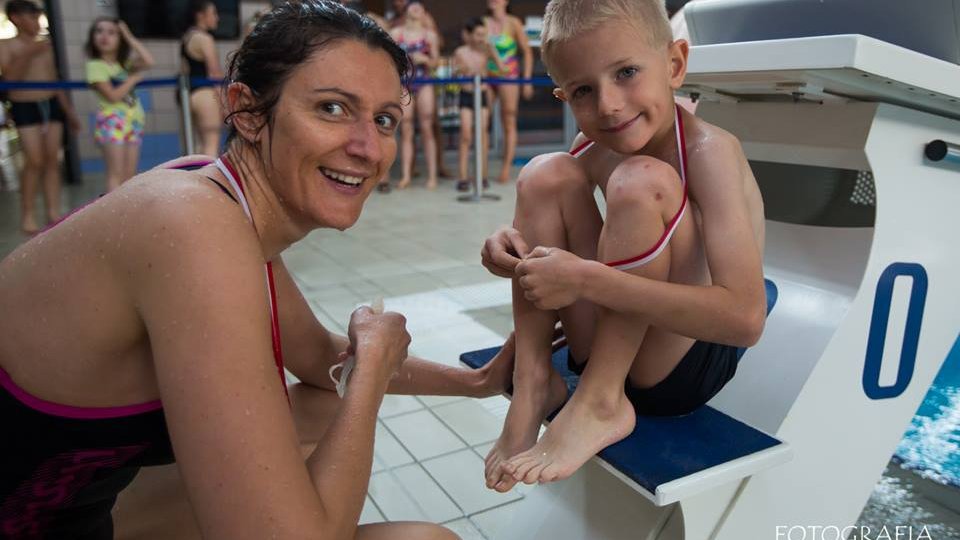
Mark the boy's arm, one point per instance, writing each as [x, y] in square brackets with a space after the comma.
[73, 121]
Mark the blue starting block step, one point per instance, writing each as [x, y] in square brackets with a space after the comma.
[668, 459]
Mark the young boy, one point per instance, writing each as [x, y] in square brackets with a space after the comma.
[660, 294]
[471, 59]
[38, 114]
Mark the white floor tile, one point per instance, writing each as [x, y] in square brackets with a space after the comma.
[465, 529]
[409, 494]
[393, 405]
[370, 514]
[473, 422]
[461, 475]
[387, 451]
[492, 521]
[433, 401]
[423, 435]
[496, 405]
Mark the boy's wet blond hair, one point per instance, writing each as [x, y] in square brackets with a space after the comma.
[565, 19]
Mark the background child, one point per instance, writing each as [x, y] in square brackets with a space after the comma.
[116, 65]
[471, 59]
[38, 114]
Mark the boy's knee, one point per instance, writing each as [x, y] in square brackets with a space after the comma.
[548, 175]
[643, 181]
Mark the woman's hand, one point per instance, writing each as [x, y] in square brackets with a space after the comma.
[420, 59]
[378, 341]
[502, 251]
[552, 278]
[124, 30]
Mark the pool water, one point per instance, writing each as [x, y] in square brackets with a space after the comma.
[931, 445]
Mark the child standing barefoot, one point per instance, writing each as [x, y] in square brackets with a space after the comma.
[117, 63]
[471, 59]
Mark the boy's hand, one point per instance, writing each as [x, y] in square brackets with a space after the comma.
[552, 278]
[502, 251]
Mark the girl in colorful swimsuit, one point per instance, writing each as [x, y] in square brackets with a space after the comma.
[507, 35]
[117, 63]
[169, 338]
[420, 43]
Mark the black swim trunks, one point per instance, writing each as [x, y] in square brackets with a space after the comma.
[466, 99]
[703, 371]
[31, 113]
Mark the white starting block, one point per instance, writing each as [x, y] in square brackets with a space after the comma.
[859, 247]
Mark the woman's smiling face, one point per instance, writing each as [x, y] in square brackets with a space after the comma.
[332, 136]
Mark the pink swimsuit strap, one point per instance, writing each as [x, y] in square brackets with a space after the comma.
[657, 249]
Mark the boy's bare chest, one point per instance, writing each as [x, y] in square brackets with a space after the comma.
[40, 67]
[474, 61]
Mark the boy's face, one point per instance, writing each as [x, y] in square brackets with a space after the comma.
[27, 23]
[477, 38]
[619, 88]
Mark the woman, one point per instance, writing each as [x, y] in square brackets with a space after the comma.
[507, 36]
[419, 42]
[198, 55]
[172, 344]
[117, 63]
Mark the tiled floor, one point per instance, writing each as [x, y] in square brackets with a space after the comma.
[419, 251]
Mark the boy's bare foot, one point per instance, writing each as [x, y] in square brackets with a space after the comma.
[504, 176]
[403, 183]
[432, 184]
[527, 410]
[583, 428]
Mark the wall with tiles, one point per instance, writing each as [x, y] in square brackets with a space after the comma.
[162, 134]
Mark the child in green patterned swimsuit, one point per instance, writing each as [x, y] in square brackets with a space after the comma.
[116, 65]
[508, 36]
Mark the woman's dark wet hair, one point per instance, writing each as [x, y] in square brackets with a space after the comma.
[286, 37]
[123, 49]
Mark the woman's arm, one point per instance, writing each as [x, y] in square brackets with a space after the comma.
[310, 349]
[527, 51]
[434, 56]
[116, 94]
[144, 60]
[201, 294]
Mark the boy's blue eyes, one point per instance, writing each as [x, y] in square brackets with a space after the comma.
[623, 73]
